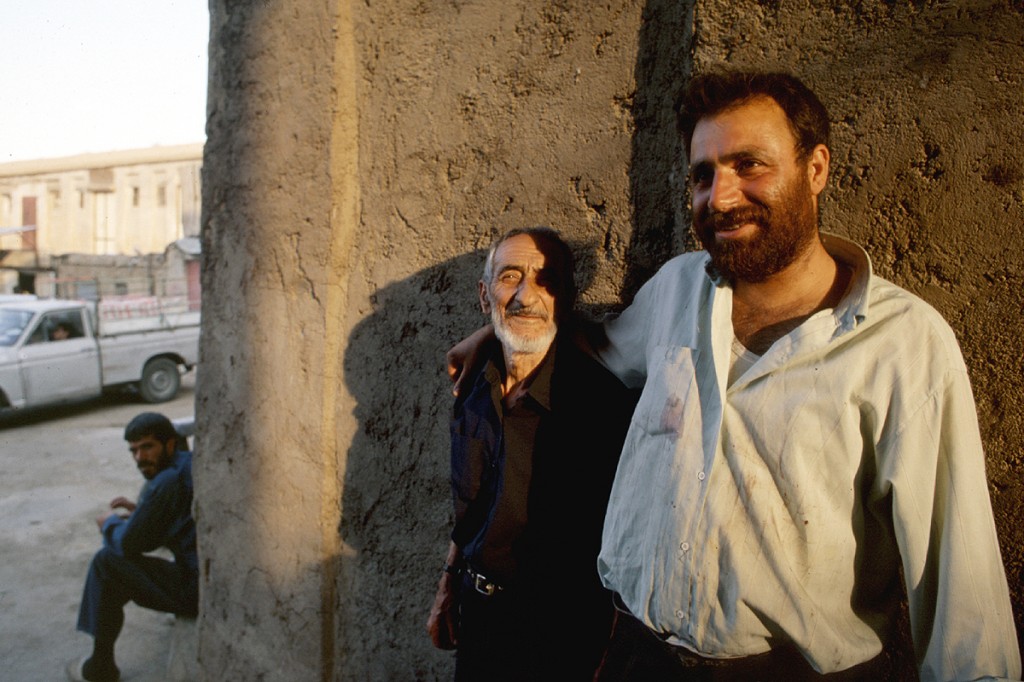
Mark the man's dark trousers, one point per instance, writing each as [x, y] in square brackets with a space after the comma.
[114, 580]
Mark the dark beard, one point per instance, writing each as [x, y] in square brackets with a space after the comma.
[785, 231]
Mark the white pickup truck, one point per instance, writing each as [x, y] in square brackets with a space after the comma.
[55, 351]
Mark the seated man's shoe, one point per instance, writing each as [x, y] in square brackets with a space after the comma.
[85, 670]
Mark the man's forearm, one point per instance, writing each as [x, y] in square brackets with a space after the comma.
[454, 558]
[442, 624]
[464, 356]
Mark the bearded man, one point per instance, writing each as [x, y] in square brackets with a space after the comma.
[534, 443]
[806, 432]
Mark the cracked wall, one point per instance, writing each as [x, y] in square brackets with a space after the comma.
[360, 156]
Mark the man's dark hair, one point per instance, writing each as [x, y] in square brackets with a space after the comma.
[547, 236]
[713, 93]
[150, 424]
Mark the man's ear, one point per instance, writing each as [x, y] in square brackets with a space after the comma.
[817, 169]
[485, 299]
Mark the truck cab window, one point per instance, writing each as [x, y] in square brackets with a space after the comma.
[59, 326]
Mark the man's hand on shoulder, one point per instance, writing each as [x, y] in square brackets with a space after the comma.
[466, 355]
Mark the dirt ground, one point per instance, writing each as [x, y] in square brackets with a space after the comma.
[59, 469]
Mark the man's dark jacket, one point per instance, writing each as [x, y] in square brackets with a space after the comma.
[576, 452]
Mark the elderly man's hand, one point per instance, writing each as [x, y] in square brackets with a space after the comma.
[442, 624]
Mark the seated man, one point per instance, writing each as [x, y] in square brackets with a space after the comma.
[534, 445]
[120, 571]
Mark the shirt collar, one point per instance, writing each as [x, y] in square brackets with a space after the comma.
[853, 307]
[539, 388]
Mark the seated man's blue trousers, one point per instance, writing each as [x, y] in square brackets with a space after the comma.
[115, 580]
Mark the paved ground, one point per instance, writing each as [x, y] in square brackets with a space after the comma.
[59, 469]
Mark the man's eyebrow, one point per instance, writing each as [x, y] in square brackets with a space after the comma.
[744, 153]
[704, 165]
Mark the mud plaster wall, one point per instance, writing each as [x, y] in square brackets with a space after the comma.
[359, 157]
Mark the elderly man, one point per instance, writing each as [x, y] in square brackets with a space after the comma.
[121, 571]
[806, 430]
[534, 443]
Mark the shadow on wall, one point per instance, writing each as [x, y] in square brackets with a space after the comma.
[396, 497]
[661, 224]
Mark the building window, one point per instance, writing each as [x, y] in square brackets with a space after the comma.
[81, 199]
[103, 223]
[135, 196]
[120, 289]
[161, 195]
[53, 199]
[6, 203]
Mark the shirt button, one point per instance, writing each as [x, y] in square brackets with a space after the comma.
[700, 476]
[679, 614]
[685, 546]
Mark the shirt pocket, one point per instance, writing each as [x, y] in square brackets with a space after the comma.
[670, 403]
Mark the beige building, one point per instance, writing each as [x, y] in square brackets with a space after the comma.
[123, 203]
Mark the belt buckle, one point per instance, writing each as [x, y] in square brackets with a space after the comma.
[484, 586]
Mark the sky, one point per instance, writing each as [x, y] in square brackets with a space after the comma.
[82, 76]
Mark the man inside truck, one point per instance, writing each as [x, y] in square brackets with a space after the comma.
[121, 571]
[58, 326]
[61, 331]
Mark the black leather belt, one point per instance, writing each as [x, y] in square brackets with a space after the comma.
[481, 583]
[783, 662]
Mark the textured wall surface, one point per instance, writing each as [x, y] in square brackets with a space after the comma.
[266, 500]
[361, 155]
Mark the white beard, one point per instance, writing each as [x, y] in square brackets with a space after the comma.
[516, 343]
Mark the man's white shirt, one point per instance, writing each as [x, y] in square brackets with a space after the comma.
[778, 507]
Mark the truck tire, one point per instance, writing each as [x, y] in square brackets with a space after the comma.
[160, 380]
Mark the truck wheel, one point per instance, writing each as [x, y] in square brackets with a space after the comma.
[160, 380]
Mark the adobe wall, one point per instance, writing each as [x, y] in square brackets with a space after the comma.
[359, 157]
